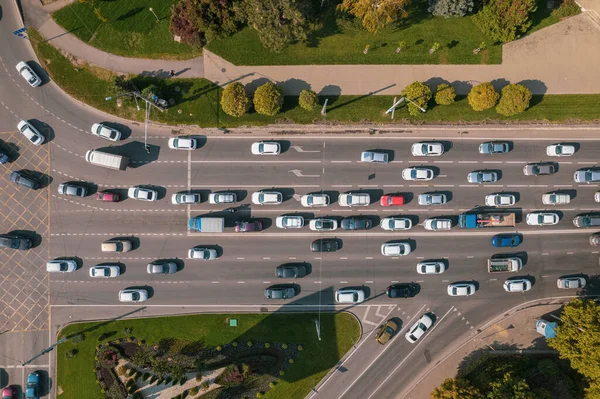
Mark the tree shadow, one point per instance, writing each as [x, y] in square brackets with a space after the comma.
[293, 87]
[353, 100]
[130, 13]
[537, 87]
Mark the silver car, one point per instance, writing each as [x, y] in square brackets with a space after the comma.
[517, 285]
[556, 198]
[589, 220]
[560, 150]
[494, 147]
[133, 295]
[202, 253]
[432, 199]
[222, 198]
[539, 169]
[461, 289]
[142, 193]
[314, 200]
[289, 222]
[418, 329]
[323, 224]
[395, 249]
[500, 199]
[396, 223]
[185, 198]
[566, 283]
[589, 175]
[482, 176]
[542, 218]
[267, 198]
[374, 157]
[417, 173]
[160, 267]
[74, 190]
[105, 271]
[61, 266]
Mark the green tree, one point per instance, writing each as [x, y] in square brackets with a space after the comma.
[184, 22]
[308, 100]
[149, 90]
[234, 100]
[504, 20]
[455, 388]
[510, 388]
[483, 96]
[445, 94]
[268, 99]
[514, 100]
[375, 14]
[217, 18]
[119, 84]
[418, 93]
[450, 8]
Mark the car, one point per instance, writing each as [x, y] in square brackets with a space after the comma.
[386, 332]
[589, 175]
[161, 267]
[289, 222]
[432, 199]
[588, 220]
[517, 285]
[108, 196]
[349, 295]
[542, 218]
[392, 200]
[482, 176]
[314, 200]
[31, 133]
[374, 157]
[14, 241]
[325, 245]
[427, 149]
[267, 198]
[417, 173]
[9, 393]
[356, 223]
[105, 132]
[506, 240]
[4, 158]
[354, 199]
[461, 289]
[61, 266]
[419, 328]
[280, 292]
[595, 240]
[24, 179]
[117, 245]
[566, 283]
[185, 198]
[266, 148]
[323, 224]
[539, 169]
[32, 387]
[142, 193]
[105, 271]
[183, 143]
[396, 223]
[244, 227]
[395, 249]
[597, 196]
[202, 253]
[133, 295]
[431, 267]
[291, 270]
[28, 74]
[75, 190]
[401, 291]
[500, 199]
[494, 147]
[222, 198]
[556, 198]
[560, 150]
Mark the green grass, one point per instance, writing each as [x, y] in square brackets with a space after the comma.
[131, 30]
[338, 332]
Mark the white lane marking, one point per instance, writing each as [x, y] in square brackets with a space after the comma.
[516, 162]
[341, 161]
[467, 161]
[369, 282]
[516, 185]
[443, 161]
[251, 185]
[492, 161]
[261, 161]
[538, 185]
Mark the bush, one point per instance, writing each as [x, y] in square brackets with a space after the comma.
[450, 8]
[217, 19]
[219, 348]
[308, 100]
[418, 93]
[291, 361]
[122, 370]
[445, 94]
[300, 347]
[198, 377]
[268, 99]
[153, 379]
[271, 384]
[130, 339]
[246, 370]
[127, 330]
[514, 100]
[267, 345]
[71, 353]
[249, 343]
[284, 346]
[194, 391]
[234, 100]
[505, 21]
[483, 96]
[281, 373]
[568, 8]
[234, 344]
[184, 22]
[78, 338]
[204, 386]
[183, 380]
[145, 376]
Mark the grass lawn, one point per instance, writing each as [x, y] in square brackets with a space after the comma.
[338, 332]
[131, 29]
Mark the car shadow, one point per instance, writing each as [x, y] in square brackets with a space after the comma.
[40, 71]
[11, 150]
[284, 144]
[34, 237]
[286, 193]
[44, 128]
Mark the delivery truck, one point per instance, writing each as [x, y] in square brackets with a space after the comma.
[486, 219]
[509, 264]
[106, 160]
[207, 224]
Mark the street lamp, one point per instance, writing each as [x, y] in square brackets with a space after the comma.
[396, 103]
[155, 16]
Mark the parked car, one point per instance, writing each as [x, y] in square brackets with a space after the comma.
[357, 223]
[24, 179]
[14, 241]
[4, 158]
[461, 289]
[244, 227]
[560, 150]
[280, 292]
[431, 267]
[133, 295]
[289, 222]
[315, 200]
[401, 291]
[61, 266]
[517, 285]
[28, 74]
[183, 143]
[295, 270]
[105, 132]
[595, 240]
[117, 245]
[105, 271]
[374, 157]
[142, 193]
[494, 147]
[161, 267]
[386, 332]
[482, 176]
[186, 198]
[266, 148]
[323, 224]
[556, 198]
[396, 223]
[325, 245]
[202, 253]
[589, 220]
[427, 149]
[432, 199]
[542, 218]
[222, 198]
[417, 173]
[9, 393]
[539, 169]
[395, 249]
[75, 190]
[597, 196]
[32, 389]
[566, 283]
[31, 133]
[267, 198]
[588, 175]
[108, 196]
[500, 199]
[392, 200]
[419, 328]
[349, 295]
[506, 240]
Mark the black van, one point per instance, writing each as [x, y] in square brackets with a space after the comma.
[24, 179]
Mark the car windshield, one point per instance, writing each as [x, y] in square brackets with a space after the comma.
[261, 147]
[325, 224]
[135, 296]
[536, 170]
[413, 173]
[586, 221]
[389, 330]
[588, 175]
[424, 148]
[454, 290]
[422, 326]
[104, 271]
[559, 149]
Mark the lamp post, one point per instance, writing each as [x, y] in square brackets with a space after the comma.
[396, 103]
[155, 16]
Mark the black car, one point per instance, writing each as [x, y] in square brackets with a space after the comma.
[325, 245]
[14, 242]
[280, 292]
[401, 291]
[357, 223]
[4, 158]
[24, 179]
[290, 271]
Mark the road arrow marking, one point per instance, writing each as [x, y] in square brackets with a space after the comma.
[299, 173]
[300, 149]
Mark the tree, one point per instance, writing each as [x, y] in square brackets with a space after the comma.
[268, 99]
[119, 85]
[514, 100]
[504, 20]
[184, 22]
[308, 100]
[217, 18]
[148, 91]
[375, 14]
[234, 100]
[483, 96]
[510, 388]
[450, 8]
[419, 93]
[445, 94]
[456, 388]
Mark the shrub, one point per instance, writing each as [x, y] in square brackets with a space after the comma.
[129, 339]
[308, 100]
[267, 345]
[204, 386]
[246, 370]
[450, 8]
[281, 373]
[249, 343]
[71, 353]
[445, 94]
[300, 347]
[217, 19]
[271, 384]
[284, 346]
[483, 96]
[234, 100]
[418, 93]
[184, 22]
[219, 348]
[268, 99]
[145, 376]
[198, 377]
[153, 379]
[127, 330]
[183, 380]
[291, 361]
[234, 344]
[259, 394]
[78, 338]
[505, 21]
[122, 370]
[567, 8]
[514, 100]
[194, 391]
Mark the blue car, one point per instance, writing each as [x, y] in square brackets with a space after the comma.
[512, 240]
[33, 386]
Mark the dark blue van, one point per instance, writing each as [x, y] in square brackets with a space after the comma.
[508, 240]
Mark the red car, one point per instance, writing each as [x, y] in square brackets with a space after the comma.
[392, 200]
[242, 227]
[107, 196]
[8, 393]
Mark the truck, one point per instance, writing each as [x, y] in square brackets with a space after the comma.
[106, 160]
[508, 264]
[207, 224]
[487, 219]
[436, 224]
[354, 199]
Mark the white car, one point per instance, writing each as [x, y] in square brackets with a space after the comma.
[597, 196]
[417, 173]
[266, 148]
[542, 218]
[500, 200]
[323, 224]
[28, 74]
[61, 266]
[432, 199]
[133, 295]
[418, 329]
[427, 149]
[560, 150]
[105, 132]
[395, 249]
[202, 253]
[556, 198]
[349, 295]
[222, 198]
[267, 198]
[431, 267]
[289, 222]
[566, 283]
[183, 143]
[105, 271]
[395, 223]
[31, 133]
[517, 285]
[314, 200]
[185, 198]
[142, 194]
[461, 289]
